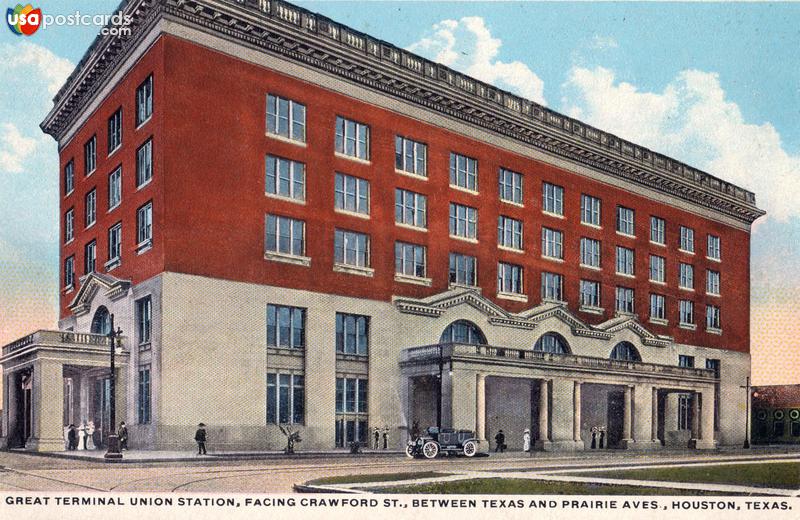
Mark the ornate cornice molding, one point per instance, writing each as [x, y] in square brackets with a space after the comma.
[91, 284]
[315, 41]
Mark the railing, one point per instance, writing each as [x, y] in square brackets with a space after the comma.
[456, 350]
[56, 337]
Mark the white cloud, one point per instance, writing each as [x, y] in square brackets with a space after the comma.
[15, 148]
[603, 42]
[692, 120]
[467, 45]
[52, 68]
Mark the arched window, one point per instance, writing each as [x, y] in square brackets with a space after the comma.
[552, 342]
[463, 331]
[101, 323]
[625, 351]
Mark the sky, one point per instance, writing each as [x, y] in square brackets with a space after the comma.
[716, 85]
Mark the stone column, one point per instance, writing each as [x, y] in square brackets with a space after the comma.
[695, 415]
[654, 424]
[480, 407]
[576, 412]
[706, 440]
[10, 397]
[642, 417]
[463, 410]
[48, 406]
[543, 442]
[626, 415]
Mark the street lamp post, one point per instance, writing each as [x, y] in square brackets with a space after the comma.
[439, 394]
[747, 415]
[113, 440]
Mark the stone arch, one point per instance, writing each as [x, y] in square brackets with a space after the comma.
[625, 351]
[463, 331]
[552, 342]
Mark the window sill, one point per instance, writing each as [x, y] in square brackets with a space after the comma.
[625, 275]
[68, 242]
[553, 259]
[715, 331]
[144, 346]
[592, 267]
[413, 228]
[712, 259]
[350, 356]
[285, 351]
[689, 289]
[591, 310]
[112, 208]
[353, 158]
[68, 289]
[684, 251]
[89, 174]
[115, 150]
[658, 282]
[418, 176]
[112, 264]
[512, 296]
[713, 295]
[140, 125]
[625, 314]
[284, 198]
[465, 190]
[70, 192]
[512, 203]
[659, 244]
[284, 139]
[465, 239]
[274, 256]
[554, 215]
[143, 247]
[90, 226]
[455, 285]
[659, 321]
[511, 249]
[354, 269]
[145, 183]
[593, 226]
[687, 326]
[626, 235]
[356, 214]
[554, 301]
[415, 280]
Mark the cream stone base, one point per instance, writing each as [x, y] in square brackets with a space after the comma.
[559, 445]
[630, 444]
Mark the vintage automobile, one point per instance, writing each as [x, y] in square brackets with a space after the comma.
[447, 440]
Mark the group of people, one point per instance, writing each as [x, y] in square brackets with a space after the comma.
[87, 437]
[500, 441]
[376, 437]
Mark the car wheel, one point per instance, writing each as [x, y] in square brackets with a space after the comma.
[410, 451]
[470, 448]
[430, 450]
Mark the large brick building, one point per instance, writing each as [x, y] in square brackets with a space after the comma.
[294, 222]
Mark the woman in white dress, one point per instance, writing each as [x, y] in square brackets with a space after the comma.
[526, 440]
[90, 436]
[81, 435]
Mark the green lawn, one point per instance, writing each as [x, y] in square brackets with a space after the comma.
[380, 477]
[785, 475]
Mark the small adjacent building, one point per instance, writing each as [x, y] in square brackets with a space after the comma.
[776, 414]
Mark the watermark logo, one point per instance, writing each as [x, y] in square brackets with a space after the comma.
[24, 20]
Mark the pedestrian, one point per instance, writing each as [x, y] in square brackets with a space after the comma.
[200, 437]
[415, 429]
[72, 438]
[376, 438]
[526, 440]
[385, 437]
[594, 438]
[122, 433]
[500, 442]
[602, 437]
[83, 436]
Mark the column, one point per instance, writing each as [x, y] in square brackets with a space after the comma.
[11, 397]
[544, 411]
[48, 406]
[480, 405]
[626, 415]
[706, 440]
[642, 416]
[654, 426]
[463, 410]
[695, 415]
[576, 412]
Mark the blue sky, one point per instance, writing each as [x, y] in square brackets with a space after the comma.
[716, 85]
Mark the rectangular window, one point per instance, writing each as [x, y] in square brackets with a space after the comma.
[463, 221]
[144, 226]
[687, 239]
[114, 243]
[657, 269]
[352, 334]
[685, 361]
[144, 394]
[285, 178]
[115, 188]
[590, 210]
[144, 320]
[684, 411]
[285, 398]
[144, 163]
[285, 235]
[510, 186]
[552, 286]
[90, 155]
[351, 248]
[115, 131]
[657, 231]
[625, 261]
[686, 312]
[352, 138]
[69, 225]
[144, 101]
[89, 257]
[712, 282]
[410, 208]
[590, 293]
[69, 177]
[590, 252]
[625, 221]
[624, 300]
[509, 232]
[713, 364]
[552, 199]
[410, 156]
[714, 247]
[463, 269]
[686, 280]
[463, 172]
[286, 326]
[351, 395]
[351, 194]
[657, 307]
[552, 243]
[712, 317]
[409, 259]
[509, 278]
[90, 208]
[69, 271]
[286, 118]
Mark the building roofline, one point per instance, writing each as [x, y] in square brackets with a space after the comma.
[314, 40]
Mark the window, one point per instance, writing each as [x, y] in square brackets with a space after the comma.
[410, 208]
[115, 188]
[285, 178]
[657, 307]
[590, 252]
[286, 118]
[144, 394]
[685, 361]
[712, 282]
[778, 428]
[712, 317]
[590, 293]
[551, 342]
[463, 269]
[552, 243]
[552, 199]
[686, 312]
[144, 163]
[552, 286]
[509, 278]
[351, 248]
[144, 101]
[686, 280]
[624, 261]
[285, 235]
[657, 269]
[144, 320]
[90, 155]
[463, 332]
[590, 210]
[625, 221]
[286, 327]
[351, 411]
[685, 411]
[352, 138]
[115, 131]
[463, 172]
[144, 226]
[463, 221]
[687, 239]
[69, 177]
[624, 300]
[657, 231]
[509, 232]
[69, 272]
[90, 208]
[285, 398]
[410, 156]
[625, 351]
[69, 225]
[352, 334]
[89, 257]
[409, 259]
[114, 244]
[713, 247]
[510, 186]
[713, 364]
[351, 194]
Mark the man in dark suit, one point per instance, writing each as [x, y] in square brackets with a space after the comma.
[72, 438]
[500, 442]
[200, 437]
